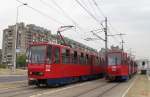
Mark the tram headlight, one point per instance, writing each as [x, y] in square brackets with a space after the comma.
[113, 68]
[48, 68]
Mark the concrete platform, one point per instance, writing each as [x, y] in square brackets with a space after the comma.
[140, 88]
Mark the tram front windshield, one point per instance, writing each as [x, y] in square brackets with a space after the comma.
[114, 59]
[37, 54]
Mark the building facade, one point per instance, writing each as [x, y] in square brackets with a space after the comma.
[26, 35]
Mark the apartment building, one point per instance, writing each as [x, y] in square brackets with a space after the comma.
[26, 35]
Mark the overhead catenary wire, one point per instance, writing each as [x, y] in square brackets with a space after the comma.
[42, 13]
[64, 13]
[102, 13]
[88, 12]
[91, 7]
[99, 9]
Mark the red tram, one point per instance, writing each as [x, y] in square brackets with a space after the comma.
[53, 64]
[120, 66]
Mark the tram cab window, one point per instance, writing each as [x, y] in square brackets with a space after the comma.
[56, 55]
[38, 54]
[114, 59]
[65, 56]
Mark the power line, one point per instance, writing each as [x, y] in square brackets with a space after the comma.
[68, 16]
[93, 7]
[48, 5]
[99, 9]
[65, 14]
[42, 13]
[88, 12]
[113, 29]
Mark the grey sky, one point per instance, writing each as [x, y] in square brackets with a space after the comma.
[126, 16]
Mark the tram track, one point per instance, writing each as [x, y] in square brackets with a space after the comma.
[13, 89]
[108, 90]
[24, 91]
[90, 90]
[69, 87]
[98, 87]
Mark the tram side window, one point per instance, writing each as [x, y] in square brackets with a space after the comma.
[56, 55]
[82, 59]
[65, 56]
[90, 60]
[100, 61]
[97, 61]
[75, 57]
[71, 57]
[87, 58]
[49, 54]
[125, 60]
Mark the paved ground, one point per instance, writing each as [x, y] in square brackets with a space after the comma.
[4, 72]
[141, 87]
[138, 86]
[10, 78]
[95, 88]
[7, 75]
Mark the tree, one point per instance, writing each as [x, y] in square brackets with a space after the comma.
[21, 60]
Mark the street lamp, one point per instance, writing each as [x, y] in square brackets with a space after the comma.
[16, 36]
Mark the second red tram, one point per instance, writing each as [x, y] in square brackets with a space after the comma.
[120, 66]
[53, 64]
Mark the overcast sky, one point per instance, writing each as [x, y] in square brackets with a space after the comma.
[131, 17]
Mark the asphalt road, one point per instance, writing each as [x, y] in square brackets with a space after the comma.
[12, 78]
